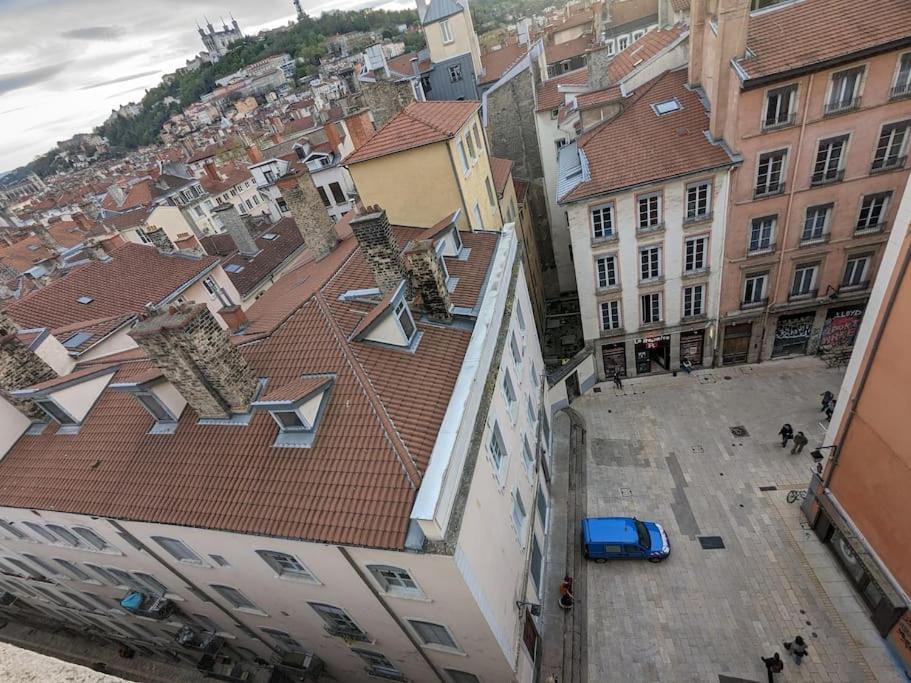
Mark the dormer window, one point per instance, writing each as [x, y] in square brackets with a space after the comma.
[158, 396]
[297, 408]
[390, 323]
[68, 399]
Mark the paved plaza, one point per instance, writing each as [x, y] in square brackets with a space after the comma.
[663, 449]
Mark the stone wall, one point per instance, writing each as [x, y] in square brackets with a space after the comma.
[428, 281]
[385, 99]
[20, 367]
[511, 125]
[380, 249]
[597, 68]
[309, 214]
[160, 240]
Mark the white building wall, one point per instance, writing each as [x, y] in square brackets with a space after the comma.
[548, 134]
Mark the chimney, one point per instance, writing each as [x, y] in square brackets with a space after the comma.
[234, 318]
[234, 225]
[332, 136]
[308, 212]
[117, 194]
[44, 236]
[428, 281]
[697, 38]
[94, 250]
[733, 17]
[20, 367]
[254, 154]
[381, 251]
[82, 221]
[276, 138]
[196, 355]
[113, 242]
[209, 168]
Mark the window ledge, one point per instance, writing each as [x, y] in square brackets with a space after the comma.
[761, 252]
[696, 220]
[651, 326]
[698, 272]
[837, 178]
[694, 318]
[616, 332]
[859, 287]
[403, 596]
[746, 305]
[872, 230]
[815, 241]
[772, 192]
[652, 282]
[609, 289]
[803, 296]
[648, 230]
[597, 241]
[771, 127]
[897, 165]
[291, 578]
[443, 648]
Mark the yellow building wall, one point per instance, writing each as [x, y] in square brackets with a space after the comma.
[463, 40]
[473, 183]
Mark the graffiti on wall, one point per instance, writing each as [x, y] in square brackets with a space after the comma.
[841, 327]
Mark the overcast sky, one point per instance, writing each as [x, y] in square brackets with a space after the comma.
[65, 64]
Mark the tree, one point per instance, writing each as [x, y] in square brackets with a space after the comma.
[415, 41]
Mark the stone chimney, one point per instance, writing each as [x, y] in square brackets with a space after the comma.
[95, 250]
[45, 237]
[235, 226]
[308, 211]
[696, 40]
[254, 154]
[159, 238]
[733, 19]
[82, 221]
[20, 367]
[197, 357]
[117, 194]
[428, 281]
[381, 251]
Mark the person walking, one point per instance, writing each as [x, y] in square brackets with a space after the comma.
[773, 665]
[786, 433]
[799, 442]
[829, 410]
[618, 382]
[798, 648]
[827, 398]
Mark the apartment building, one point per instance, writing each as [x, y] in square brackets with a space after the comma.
[349, 484]
[647, 236]
[453, 50]
[822, 129]
[860, 503]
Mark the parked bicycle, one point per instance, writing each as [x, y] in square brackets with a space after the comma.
[796, 495]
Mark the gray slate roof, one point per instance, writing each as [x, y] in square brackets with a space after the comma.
[440, 9]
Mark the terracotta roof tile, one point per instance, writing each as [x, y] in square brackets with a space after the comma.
[788, 37]
[500, 170]
[571, 48]
[498, 62]
[420, 123]
[596, 98]
[296, 388]
[643, 50]
[274, 253]
[24, 254]
[549, 97]
[619, 151]
[234, 176]
[128, 220]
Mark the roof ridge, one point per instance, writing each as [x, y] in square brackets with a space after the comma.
[426, 123]
[363, 379]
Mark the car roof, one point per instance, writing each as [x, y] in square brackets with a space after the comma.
[615, 529]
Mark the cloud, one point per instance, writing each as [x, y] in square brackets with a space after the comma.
[95, 33]
[10, 111]
[25, 79]
[122, 79]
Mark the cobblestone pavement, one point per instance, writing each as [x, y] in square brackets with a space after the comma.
[663, 449]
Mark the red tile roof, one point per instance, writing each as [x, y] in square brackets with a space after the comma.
[374, 314]
[497, 62]
[549, 97]
[24, 254]
[500, 170]
[638, 146]
[787, 38]
[355, 485]
[419, 124]
[554, 53]
[643, 50]
[234, 175]
[596, 98]
[128, 220]
[296, 388]
[402, 64]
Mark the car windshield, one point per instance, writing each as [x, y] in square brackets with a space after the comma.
[645, 540]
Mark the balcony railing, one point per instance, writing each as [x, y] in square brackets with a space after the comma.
[841, 106]
[855, 287]
[888, 164]
[646, 229]
[612, 237]
[755, 303]
[806, 294]
[827, 177]
[870, 230]
[901, 90]
[348, 634]
[699, 218]
[769, 190]
[806, 241]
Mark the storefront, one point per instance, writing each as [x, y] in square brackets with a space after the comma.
[736, 348]
[841, 326]
[653, 354]
[614, 358]
[692, 345]
[793, 333]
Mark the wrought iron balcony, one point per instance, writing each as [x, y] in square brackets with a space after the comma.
[151, 606]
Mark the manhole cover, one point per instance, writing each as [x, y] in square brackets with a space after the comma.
[728, 377]
[739, 430]
[626, 493]
[711, 542]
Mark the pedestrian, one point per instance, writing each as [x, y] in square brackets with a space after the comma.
[786, 433]
[798, 648]
[799, 442]
[687, 366]
[618, 382]
[773, 665]
[829, 410]
[566, 592]
[826, 399]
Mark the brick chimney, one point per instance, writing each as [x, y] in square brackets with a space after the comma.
[308, 212]
[696, 40]
[254, 154]
[211, 171]
[332, 136]
[428, 281]
[235, 226]
[20, 367]
[234, 318]
[381, 251]
[197, 357]
[733, 19]
[276, 138]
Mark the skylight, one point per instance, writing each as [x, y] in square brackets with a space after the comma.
[85, 299]
[270, 236]
[77, 339]
[234, 268]
[667, 106]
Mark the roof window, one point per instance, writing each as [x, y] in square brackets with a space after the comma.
[85, 299]
[297, 408]
[160, 399]
[270, 236]
[234, 268]
[76, 340]
[667, 106]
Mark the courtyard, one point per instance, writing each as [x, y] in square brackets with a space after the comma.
[700, 454]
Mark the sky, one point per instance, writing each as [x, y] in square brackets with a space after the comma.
[66, 64]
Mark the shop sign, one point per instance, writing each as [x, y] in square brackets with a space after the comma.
[653, 342]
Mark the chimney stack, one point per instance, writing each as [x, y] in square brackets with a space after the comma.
[211, 171]
[696, 40]
[332, 136]
[234, 318]
[733, 19]
[381, 251]
[94, 250]
[82, 221]
[428, 281]
[197, 357]
[254, 154]
[234, 225]
[20, 367]
[308, 212]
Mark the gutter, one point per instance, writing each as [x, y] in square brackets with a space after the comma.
[189, 283]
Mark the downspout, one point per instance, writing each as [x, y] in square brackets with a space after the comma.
[787, 215]
[393, 615]
[455, 173]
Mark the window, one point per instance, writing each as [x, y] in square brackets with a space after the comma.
[779, 107]
[477, 137]
[208, 626]
[816, 222]
[322, 195]
[378, 664]
[873, 211]
[693, 300]
[804, 280]
[68, 537]
[78, 600]
[527, 455]
[532, 414]
[698, 200]
[433, 634]
[610, 315]
[518, 514]
[44, 566]
[210, 286]
[603, 221]
[694, 254]
[337, 620]
[490, 194]
[622, 42]
[73, 569]
[237, 599]
[151, 582]
[509, 393]
[650, 212]
[39, 530]
[892, 146]
[902, 84]
[463, 157]
[455, 73]
[650, 263]
[288, 419]
[337, 193]
[606, 267]
[651, 308]
[514, 346]
[178, 550]
[542, 506]
[105, 575]
[611, 47]
[537, 563]
[11, 530]
[770, 173]
[285, 641]
[151, 403]
[497, 448]
[394, 580]
[26, 570]
[403, 315]
[446, 30]
[844, 90]
[126, 579]
[761, 231]
[470, 143]
[52, 409]
[829, 157]
[285, 565]
[520, 316]
[754, 288]
[856, 269]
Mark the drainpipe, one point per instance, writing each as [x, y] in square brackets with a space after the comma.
[455, 173]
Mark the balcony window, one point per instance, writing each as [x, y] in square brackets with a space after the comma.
[844, 91]
[285, 641]
[754, 287]
[497, 448]
[804, 280]
[602, 221]
[770, 173]
[606, 267]
[816, 223]
[698, 200]
[518, 514]
[650, 212]
[649, 263]
[693, 301]
[446, 32]
[694, 254]
[651, 308]
[856, 271]
[780, 107]
[178, 550]
[378, 665]
[610, 315]
[873, 209]
[509, 394]
[892, 147]
[762, 230]
[829, 160]
[902, 86]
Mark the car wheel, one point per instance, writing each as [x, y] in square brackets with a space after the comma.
[656, 560]
[601, 560]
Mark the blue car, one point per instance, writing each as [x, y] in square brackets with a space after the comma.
[609, 538]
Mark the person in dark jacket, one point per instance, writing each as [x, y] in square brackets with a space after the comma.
[800, 440]
[798, 648]
[773, 665]
[829, 410]
[786, 433]
[618, 381]
[826, 399]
